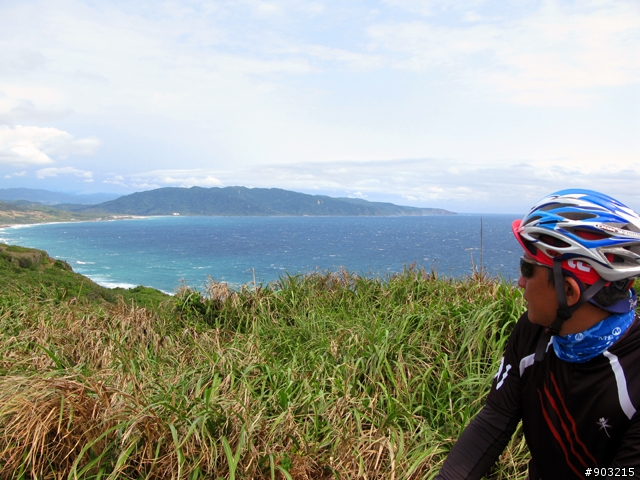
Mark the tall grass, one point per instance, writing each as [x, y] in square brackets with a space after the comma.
[312, 377]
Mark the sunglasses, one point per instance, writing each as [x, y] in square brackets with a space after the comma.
[526, 266]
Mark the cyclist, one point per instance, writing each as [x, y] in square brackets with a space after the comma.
[571, 369]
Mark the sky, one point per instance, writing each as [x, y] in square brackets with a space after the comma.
[469, 105]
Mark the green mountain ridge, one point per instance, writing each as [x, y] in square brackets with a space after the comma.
[243, 201]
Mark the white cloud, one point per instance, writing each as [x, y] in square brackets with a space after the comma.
[357, 195]
[28, 145]
[116, 180]
[267, 8]
[21, 102]
[358, 61]
[164, 178]
[16, 174]
[421, 6]
[85, 175]
[554, 55]
[13, 93]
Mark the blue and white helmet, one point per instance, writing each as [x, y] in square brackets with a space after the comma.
[593, 234]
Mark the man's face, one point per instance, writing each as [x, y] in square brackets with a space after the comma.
[540, 295]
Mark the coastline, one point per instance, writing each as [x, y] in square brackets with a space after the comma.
[110, 218]
[97, 280]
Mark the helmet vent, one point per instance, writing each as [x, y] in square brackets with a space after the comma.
[532, 219]
[577, 215]
[553, 241]
[549, 206]
[589, 234]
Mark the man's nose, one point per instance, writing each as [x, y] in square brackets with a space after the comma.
[522, 282]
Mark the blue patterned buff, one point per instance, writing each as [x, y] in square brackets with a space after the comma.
[583, 346]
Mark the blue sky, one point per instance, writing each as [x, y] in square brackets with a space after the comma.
[470, 105]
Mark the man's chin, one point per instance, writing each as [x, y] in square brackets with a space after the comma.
[536, 321]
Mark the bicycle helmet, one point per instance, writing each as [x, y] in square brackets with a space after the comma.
[591, 233]
[592, 236]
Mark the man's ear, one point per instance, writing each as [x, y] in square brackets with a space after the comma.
[571, 290]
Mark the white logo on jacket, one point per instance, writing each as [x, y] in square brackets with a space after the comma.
[603, 422]
[502, 378]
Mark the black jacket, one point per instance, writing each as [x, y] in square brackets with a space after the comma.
[575, 416]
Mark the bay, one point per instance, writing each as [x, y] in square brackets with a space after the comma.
[165, 252]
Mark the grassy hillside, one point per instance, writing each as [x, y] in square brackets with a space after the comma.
[34, 273]
[240, 201]
[317, 377]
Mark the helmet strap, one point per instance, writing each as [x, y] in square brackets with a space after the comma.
[564, 312]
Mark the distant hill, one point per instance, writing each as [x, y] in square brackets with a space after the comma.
[22, 212]
[242, 201]
[47, 197]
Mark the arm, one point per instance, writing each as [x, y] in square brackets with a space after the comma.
[486, 436]
[479, 446]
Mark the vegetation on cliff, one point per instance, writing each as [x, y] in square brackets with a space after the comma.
[320, 376]
[33, 272]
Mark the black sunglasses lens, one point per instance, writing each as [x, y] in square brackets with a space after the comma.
[526, 269]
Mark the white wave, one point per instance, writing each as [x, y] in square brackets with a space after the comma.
[29, 225]
[114, 284]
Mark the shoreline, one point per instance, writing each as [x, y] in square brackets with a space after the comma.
[102, 283]
[112, 218]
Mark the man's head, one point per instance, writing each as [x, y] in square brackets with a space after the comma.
[585, 242]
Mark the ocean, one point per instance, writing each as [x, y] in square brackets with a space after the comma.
[167, 252]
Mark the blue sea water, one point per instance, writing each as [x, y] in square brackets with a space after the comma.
[164, 252]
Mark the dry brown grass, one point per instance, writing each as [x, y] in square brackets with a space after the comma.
[322, 377]
[47, 422]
